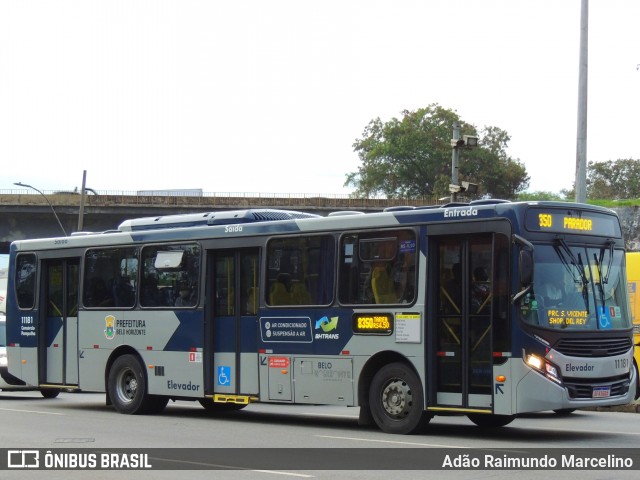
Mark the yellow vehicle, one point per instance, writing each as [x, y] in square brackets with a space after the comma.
[633, 282]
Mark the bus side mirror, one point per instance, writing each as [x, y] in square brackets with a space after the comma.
[526, 267]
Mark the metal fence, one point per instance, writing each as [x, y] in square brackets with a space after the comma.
[212, 199]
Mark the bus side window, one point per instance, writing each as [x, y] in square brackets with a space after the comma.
[300, 270]
[378, 268]
[26, 280]
[170, 276]
[110, 277]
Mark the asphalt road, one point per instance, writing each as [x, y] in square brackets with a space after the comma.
[82, 420]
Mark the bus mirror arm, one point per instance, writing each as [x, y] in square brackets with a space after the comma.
[525, 266]
[523, 242]
[520, 294]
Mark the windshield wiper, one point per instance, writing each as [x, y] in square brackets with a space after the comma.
[579, 278]
[604, 279]
[585, 283]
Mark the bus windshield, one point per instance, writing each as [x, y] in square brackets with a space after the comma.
[577, 288]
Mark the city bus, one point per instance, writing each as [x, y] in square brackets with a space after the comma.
[633, 278]
[488, 309]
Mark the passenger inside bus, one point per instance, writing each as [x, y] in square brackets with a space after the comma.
[98, 294]
[278, 293]
[481, 291]
[382, 285]
[186, 298]
[150, 296]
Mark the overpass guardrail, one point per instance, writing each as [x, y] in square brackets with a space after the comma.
[211, 200]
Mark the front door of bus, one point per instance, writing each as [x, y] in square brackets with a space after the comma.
[464, 276]
[58, 342]
[233, 354]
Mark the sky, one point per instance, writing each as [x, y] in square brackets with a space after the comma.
[261, 96]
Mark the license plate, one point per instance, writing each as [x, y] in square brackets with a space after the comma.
[601, 392]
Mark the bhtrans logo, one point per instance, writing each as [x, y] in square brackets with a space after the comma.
[460, 212]
[327, 325]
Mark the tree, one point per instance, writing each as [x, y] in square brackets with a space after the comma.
[542, 195]
[411, 156]
[614, 179]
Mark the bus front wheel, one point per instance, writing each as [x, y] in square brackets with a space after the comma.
[396, 399]
[127, 385]
[490, 421]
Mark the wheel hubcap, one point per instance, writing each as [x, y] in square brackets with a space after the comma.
[127, 386]
[397, 398]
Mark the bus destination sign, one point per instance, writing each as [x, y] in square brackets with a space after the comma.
[373, 323]
[571, 221]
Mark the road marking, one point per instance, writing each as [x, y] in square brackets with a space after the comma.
[434, 445]
[608, 432]
[275, 472]
[30, 411]
[232, 467]
[355, 439]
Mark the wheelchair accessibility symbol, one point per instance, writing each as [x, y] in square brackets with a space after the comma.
[224, 376]
[604, 318]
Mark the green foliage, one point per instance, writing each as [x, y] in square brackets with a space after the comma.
[614, 179]
[541, 195]
[411, 157]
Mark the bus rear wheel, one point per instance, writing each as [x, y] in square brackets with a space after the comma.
[212, 406]
[396, 399]
[490, 421]
[127, 385]
[49, 392]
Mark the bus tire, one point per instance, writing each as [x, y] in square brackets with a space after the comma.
[490, 421]
[635, 365]
[49, 392]
[564, 411]
[211, 406]
[155, 403]
[127, 386]
[396, 399]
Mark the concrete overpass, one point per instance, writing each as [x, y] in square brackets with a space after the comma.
[29, 215]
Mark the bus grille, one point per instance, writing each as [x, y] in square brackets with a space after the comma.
[593, 347]
[583, 389]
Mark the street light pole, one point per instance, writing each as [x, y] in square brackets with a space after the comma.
[20, 184]
[581, 137]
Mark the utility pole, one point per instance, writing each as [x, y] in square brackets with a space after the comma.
[455, 159]
[82, 194]
[581, 143]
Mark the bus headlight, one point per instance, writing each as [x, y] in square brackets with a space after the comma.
[552, 372]
[3, 360]
[543, 366]
[535, 362]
